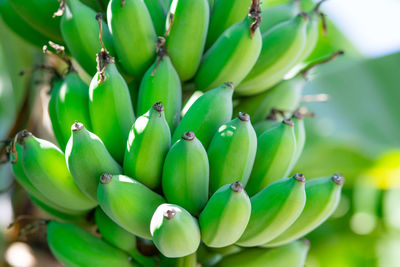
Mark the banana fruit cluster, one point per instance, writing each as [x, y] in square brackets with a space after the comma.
[207, 183]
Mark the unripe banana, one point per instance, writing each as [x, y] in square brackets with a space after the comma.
[119, 237]
[110, 107]
[35, 194]
[224, 14]
[323, 195]
[312, 32]
[231, 152]
[52, 109]
[148, 143]
[161, 83]
[276, 149]
[300, 134]
[273, 210]
[207, 114]
[291, 255]
[71, 103]
[282, 47]
[129, 203]
[157, 13]
[39, 14]
[234, 53]
[225, 216]
[75, 247]
[45, 167]
[80, 32]
[175, 232]
[274, 15]
[187, 261]
[271, 121]
[285, 96]
[187, 35]
[185, 177]
[87, 158]
[131, 26]
[20, 26]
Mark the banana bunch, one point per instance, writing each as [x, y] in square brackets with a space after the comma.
[206, 183]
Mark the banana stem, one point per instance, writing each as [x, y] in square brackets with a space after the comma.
[161, 52]
[320, 61]
[171, 22]
[103, 58]
[254, 13]
[60, 53]
[60, 10]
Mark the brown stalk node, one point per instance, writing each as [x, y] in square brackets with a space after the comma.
[169, 214]
[237, 187]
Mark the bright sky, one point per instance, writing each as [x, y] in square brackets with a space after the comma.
[372, 25]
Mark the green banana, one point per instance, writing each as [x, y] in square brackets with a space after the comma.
[185, 177]
[45, 167]
[276, 149]
[39, 14]
[110, 106]
[285, 96]
[291, 255]
[312, 31]
[18, 25]
[323, 195]
[300, 134]
[52, 110]
[231, 152]
[128, 203]
[161, 83]
[175, 231]
[272, 16]
[282, 47]
[225, 217]
[207, 114]
[70, 102]
[186, 35]
[157, 13]
[269, 122]
[233, 54]
[270, 3]
[35, 194]
[273, 210]
[119, 237]
[131, 26]
[87, 158]
[73, 246]
[80, 32]
[187, 261]
[224, 14]
[148, 143]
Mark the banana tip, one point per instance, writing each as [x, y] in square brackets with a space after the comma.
[338, 179]
[105, 178]
[306, 241]
[188, 136]
[244, 116]
[169, 214]
[77, 126]
[158, 107]
[24, 134]
[230, 84]
[288, 122]
[298, 115]
[237, 187]
[299, 177]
